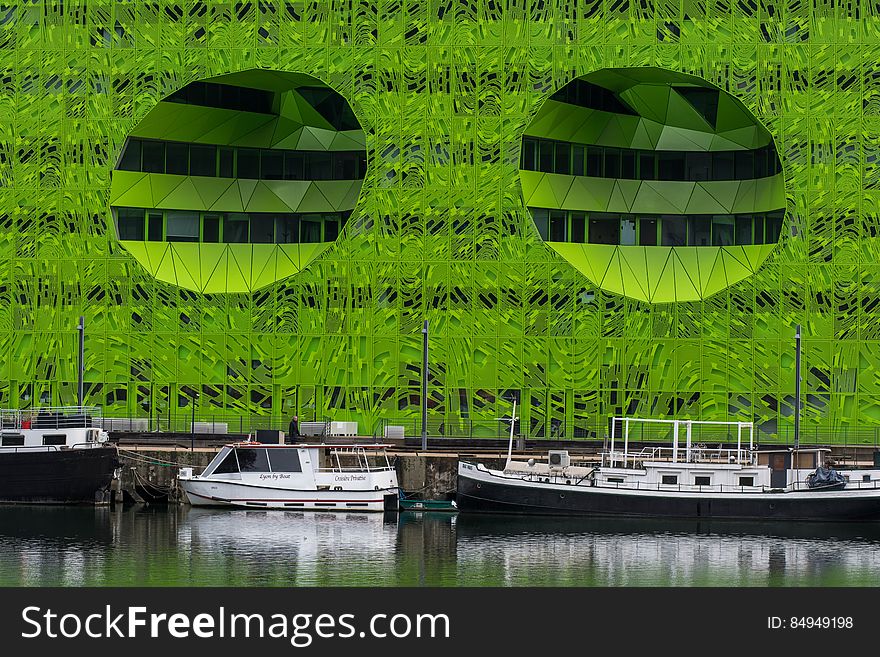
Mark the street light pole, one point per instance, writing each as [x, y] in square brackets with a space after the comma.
[797, 387]
[82, 363]
[425, 386]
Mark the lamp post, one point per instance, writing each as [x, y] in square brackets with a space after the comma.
[192, 426]
[81, 328]
[797, 387]
[425, 386]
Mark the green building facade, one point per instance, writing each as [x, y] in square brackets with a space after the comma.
[657, 279]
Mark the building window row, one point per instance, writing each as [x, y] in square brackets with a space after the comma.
[550, 156]
[658, 230]
[592, 96]
[153, 225]
[224, 96]
[153, 156]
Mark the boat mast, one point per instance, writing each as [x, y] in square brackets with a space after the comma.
[510, 444]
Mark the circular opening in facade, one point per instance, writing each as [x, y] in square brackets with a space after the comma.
[654, 184]
[237, 181]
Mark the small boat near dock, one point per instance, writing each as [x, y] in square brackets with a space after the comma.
[686, 480]
[55, 455]
[309, 477]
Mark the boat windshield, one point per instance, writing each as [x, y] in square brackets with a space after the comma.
[255, 459]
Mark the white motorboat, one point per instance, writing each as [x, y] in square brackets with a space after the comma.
[308, 477]
[55, 455]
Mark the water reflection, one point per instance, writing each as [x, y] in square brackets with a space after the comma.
[80, 546]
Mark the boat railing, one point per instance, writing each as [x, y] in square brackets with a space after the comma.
[562, 478]
[14, 449]
[694, 454]
[356, 460]
[51, 417]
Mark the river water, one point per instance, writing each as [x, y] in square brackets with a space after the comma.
[182, 546]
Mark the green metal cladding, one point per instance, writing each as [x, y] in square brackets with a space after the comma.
[445, 91]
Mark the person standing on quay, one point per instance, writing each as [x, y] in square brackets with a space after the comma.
[293, 430]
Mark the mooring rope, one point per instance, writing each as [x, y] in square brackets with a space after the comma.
[137, 456]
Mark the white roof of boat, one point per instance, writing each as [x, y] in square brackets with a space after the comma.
[316, 445]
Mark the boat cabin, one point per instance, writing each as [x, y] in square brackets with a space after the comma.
[50, 429]
[306, 466]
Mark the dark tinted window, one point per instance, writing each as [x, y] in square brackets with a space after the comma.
[154, 226]
[699, 230]
[252, 459]
[310, 229]
[227, 160]
[674, 231]
[131, 156]
[227, 465]
[55, 439]
[177, 158]
[670, 166]
[272, 165]
[578, 155]
[286, 229]
[202, 160]
[563, 158]
[545, 156]
[12, 440]
[648, 232]
[527, 157]
[262, 229]
[154, 156]
[578, 228]
[211, 228]
[131, 224]
[248, 163]
[284, 460]
[604, 230]
[235, 229]
[319, 168]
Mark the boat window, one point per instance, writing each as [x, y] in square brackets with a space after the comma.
[285, 460]
[746, 481]
[866, 477]
[227, 465]
[251, 459]
[55, 439]
[13, 440]
[702, 481]
[670, 479]
[615, 480]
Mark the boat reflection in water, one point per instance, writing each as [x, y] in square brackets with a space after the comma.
[243, 547]
[289, 547]
[642, 552]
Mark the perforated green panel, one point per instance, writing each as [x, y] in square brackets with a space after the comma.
[444, 90]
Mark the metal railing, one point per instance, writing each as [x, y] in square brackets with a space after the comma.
[51, 417]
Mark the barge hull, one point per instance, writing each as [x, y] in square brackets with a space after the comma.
[61, 477]
[487, 496]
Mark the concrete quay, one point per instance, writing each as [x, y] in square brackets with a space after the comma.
[148, 472]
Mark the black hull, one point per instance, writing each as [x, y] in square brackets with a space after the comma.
[497, 497]
[63, 477]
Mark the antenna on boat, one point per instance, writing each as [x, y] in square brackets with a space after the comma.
[797, 387]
